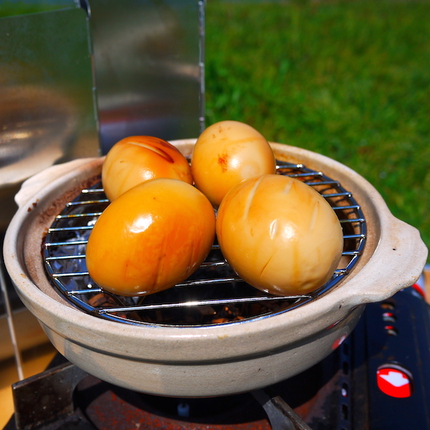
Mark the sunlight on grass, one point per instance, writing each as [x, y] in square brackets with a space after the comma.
[348, 79]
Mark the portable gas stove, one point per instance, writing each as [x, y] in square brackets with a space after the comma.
[376, 379]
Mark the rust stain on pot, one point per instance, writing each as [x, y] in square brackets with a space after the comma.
[58, 204]
[34, 204]
[41, 221]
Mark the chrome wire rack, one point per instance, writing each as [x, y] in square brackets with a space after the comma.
[212, 295]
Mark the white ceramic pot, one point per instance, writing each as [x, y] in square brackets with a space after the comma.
[208, 360]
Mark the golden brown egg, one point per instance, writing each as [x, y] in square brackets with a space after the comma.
[136, 159]
[150, 238]
[279, 235]
[225, 154]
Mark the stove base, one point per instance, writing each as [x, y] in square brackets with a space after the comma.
[342, 392]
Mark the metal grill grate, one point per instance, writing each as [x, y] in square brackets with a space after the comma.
[214, 294]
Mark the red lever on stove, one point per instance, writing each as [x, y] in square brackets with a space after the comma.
[394, 380]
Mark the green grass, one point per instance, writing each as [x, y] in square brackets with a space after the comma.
[16, 7]
[348, 79]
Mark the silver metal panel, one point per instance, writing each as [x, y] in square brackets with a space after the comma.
[46, 96]
[148, 57]
[77, 79]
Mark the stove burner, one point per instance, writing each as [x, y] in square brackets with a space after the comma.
[66, 397]
[339, 393]
[225, 298]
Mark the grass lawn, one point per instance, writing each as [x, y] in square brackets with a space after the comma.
[348, 79]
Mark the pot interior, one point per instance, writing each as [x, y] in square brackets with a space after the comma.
[213, 295]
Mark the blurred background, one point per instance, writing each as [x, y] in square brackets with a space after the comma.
[346, 78]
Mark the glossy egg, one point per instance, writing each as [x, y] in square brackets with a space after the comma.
[150, 238]
[136, 159]
[279, 235]
[225, 154]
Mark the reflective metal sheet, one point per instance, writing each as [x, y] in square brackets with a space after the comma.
[148, 57]
[46, 96]
[76, 79]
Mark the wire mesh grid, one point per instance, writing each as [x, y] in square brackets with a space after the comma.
[214, 294]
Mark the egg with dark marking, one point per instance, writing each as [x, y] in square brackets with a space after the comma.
[227, 153]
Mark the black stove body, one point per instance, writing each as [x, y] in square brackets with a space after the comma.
[377, 379]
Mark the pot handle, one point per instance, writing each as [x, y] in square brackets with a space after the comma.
[37, 182]
[397, 263]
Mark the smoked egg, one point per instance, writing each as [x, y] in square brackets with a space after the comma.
[150, 238]
[225, 154]
[279, 234]
[136, 159]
